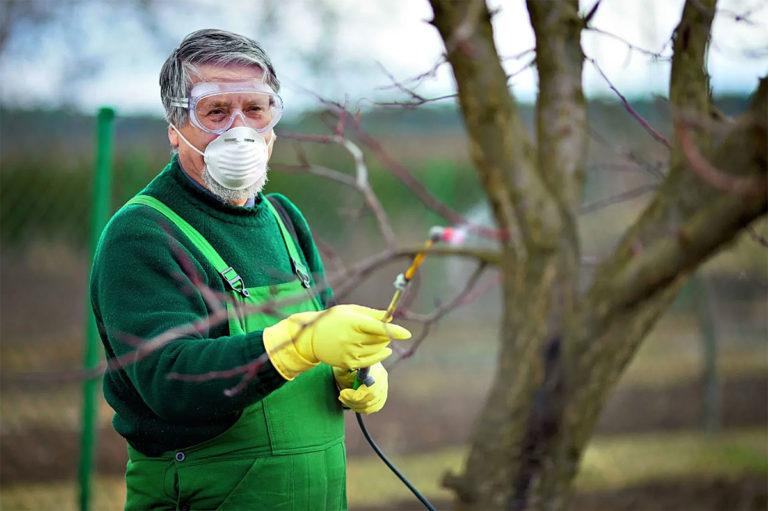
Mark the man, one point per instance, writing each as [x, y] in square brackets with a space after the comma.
[206, 275]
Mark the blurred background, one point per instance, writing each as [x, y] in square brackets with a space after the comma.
[685, 429]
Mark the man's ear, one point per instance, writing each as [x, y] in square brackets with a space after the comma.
[173, 137]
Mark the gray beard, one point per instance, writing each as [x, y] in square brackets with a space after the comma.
[233, 196]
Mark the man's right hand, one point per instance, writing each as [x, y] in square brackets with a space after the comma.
[346, 336]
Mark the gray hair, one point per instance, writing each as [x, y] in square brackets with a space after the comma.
[208, 46]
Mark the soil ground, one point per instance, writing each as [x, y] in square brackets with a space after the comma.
[717, 494]
[46, 453]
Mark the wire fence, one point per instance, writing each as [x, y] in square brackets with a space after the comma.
[45, 211]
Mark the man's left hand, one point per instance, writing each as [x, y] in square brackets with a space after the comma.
[364, 399]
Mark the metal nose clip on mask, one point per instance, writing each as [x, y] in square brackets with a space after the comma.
[237, 158]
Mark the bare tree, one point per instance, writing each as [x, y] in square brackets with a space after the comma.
[566, 337]
[564, 346]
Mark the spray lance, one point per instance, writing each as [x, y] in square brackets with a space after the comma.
[436, 234]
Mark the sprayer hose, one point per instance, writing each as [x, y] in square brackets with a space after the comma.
[392, 467]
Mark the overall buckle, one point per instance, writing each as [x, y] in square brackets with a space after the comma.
[234, 281]
[301, 273]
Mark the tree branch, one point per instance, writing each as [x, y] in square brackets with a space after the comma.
[688, 220]
[360, 183]
[655, 55]
[616, 199]
[499, 144]
[634, 113]
[746, 186]
[659, 264]
[428, 320]
[689, 80]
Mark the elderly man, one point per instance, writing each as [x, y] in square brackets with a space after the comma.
[205, 275]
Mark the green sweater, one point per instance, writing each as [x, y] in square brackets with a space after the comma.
[141, 286]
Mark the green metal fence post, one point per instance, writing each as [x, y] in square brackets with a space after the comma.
[101, 204]
[709, 376]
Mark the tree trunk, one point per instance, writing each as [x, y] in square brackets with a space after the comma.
[561, 351]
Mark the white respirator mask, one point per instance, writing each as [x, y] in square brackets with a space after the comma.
[236, 159]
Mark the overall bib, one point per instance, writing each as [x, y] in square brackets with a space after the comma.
[285, 452]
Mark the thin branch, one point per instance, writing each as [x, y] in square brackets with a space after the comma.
[419, 79]
[519, 55]
[428, 320]
[637, 159]
[212, 299]
[410, 105]
[655, 55]
[422, 192]
[739, 185]
[645, 124]
[330, 255]
[344, 284]
[400, 86]
[364, 186]
[522, 68]
[757, 237]
[354, 279]
[668, 258]
[588, 17]
[616, 199]
[400, 171]
[360, 182]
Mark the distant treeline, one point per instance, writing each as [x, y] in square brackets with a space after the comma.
[67, 132]
[46, 163]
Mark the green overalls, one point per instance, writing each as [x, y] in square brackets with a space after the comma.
[285, 452]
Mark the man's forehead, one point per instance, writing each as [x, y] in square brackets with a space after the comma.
[231, 73]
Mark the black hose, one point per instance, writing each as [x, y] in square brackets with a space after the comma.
[400, 476]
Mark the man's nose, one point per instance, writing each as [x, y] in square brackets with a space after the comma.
[239, 120]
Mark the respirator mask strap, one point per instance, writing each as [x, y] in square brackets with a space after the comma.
[201, 153]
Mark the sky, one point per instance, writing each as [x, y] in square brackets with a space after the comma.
[104, 53]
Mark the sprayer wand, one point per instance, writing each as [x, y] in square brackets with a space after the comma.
[363, 377]
[401, 283]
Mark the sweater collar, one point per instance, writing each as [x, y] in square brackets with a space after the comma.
[202, 196]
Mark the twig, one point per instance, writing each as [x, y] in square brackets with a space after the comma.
[399, 85]
[330, 255]
[438, 313]
[588, 17]
[645, 124]
[409, 105]
[361, 182]
[757, 237]
[527, 65]
[625, 196]
[430, 73]
[517, 56]
[400, 171]
[633, 157]
[751, 186]
[656, 55]
[421, 191]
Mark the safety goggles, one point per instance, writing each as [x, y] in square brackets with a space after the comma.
[214, 106]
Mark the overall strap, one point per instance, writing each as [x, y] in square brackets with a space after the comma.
[230, 276]
[298, 267]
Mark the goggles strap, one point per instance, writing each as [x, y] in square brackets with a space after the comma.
[187, 141]
[180, 102]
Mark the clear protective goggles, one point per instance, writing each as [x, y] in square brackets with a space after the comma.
[214, 106]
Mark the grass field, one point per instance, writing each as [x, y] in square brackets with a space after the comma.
[609, 464]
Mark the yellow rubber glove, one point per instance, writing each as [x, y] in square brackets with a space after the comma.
[345, 336]
[365, 399]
